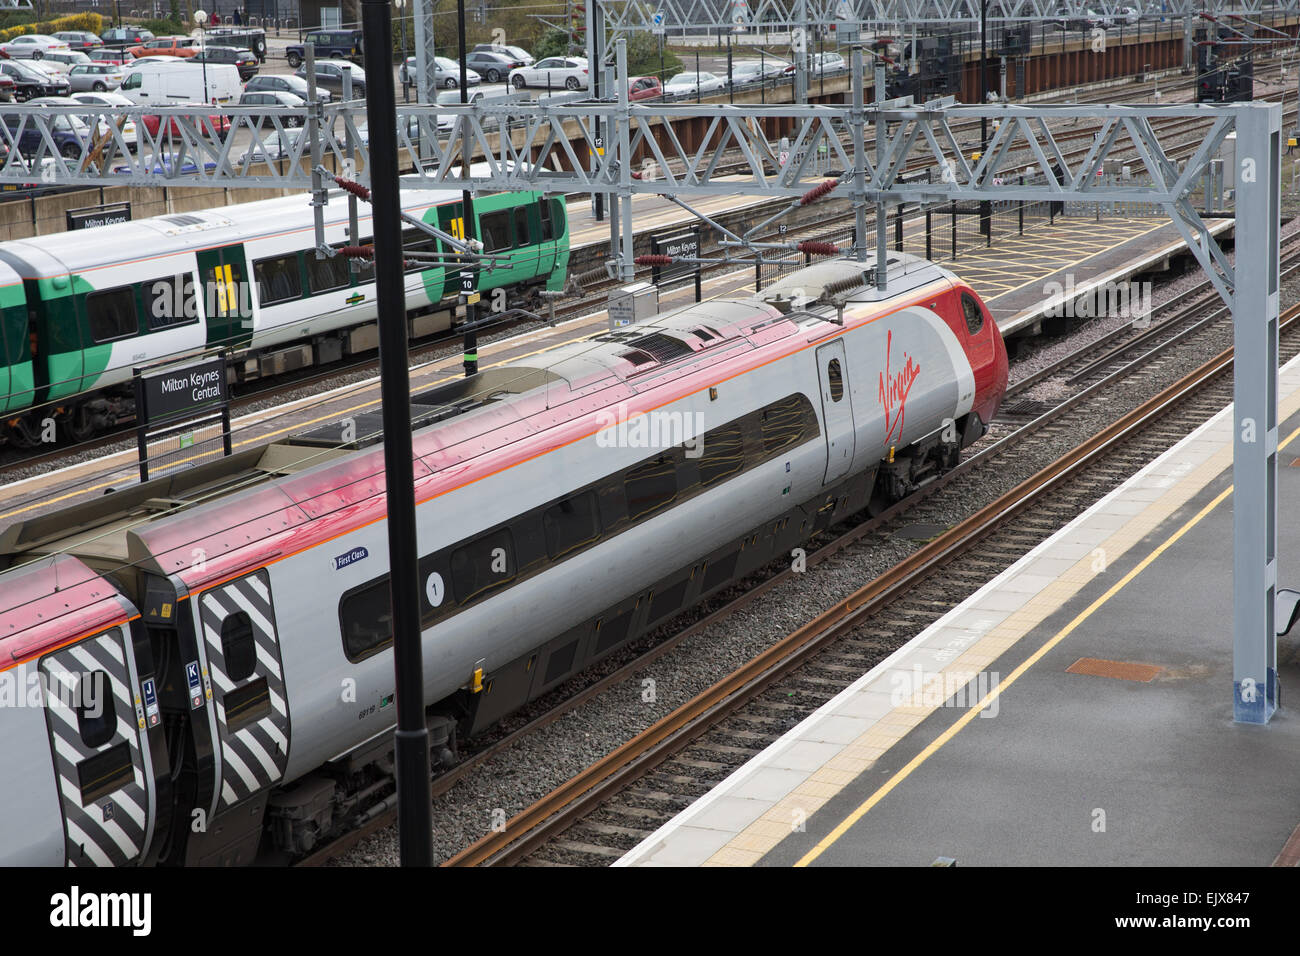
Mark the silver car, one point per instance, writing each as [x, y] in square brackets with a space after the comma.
[95, 77]
[446, 73]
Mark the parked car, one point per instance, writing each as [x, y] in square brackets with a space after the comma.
[112, 101]
[446, 73]
[215, 123]
[644, 88]
[329, 74]
[242, 60]
[170, 80]
[97, 77]
[62, 61]
[31, 46]
[554, 72]
[744, 72]
[162, 165]
[492, 65]
[277, 146]
[241, 38]
[125, 36]
[328, 45]
[167, 46]
[690, 84]
[30, 80]
[70, 133]
[278, 83]
[7, 90]
[273, 99]
[104, 54]
[514, 52]
[78, 40]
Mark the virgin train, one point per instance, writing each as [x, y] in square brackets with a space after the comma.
[199, 669]
[79, 310]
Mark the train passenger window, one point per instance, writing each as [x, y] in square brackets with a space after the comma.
[521, 226]
[483, 564]
[278, 279]
[417, 240]
[724, 454]
[366, 619]
[557, 217]
[548, 227]
[172, 302]
[495, 228]
[974, 316]
[650, 486]
[112, 314]
[237, 646]
[835, 378]
[326, 274]
[571, 523]
[783, 424]
[93, 700]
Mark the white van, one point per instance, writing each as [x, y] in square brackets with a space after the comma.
[180, 81]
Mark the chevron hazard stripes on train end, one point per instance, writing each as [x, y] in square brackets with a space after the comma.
[243, 652]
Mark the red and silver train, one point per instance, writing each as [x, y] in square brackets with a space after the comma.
[198, 670]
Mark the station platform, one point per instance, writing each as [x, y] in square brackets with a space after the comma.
[1076, 710]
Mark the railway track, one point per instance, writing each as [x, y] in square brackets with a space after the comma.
[604, 811]
[1110, 357]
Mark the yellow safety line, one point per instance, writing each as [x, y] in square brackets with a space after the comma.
[1015, 675]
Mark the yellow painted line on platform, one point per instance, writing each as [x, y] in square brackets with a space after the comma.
[934, 746]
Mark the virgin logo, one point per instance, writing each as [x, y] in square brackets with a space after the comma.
[894, 388]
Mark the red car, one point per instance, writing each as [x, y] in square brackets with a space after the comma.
[644, 88]
[166, 46]
[218, 122]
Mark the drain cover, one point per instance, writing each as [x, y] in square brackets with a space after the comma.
[1120, 670]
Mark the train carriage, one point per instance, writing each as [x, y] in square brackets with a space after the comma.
[564, 508]
[96, 304]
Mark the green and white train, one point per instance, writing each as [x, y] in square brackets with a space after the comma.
[80, 310]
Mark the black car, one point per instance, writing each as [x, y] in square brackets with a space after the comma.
[492, 66]
[328, 44]
[329, 74]
[119, 37]
[273, 83]
[241, 38]
[243, 60]
[32, 81]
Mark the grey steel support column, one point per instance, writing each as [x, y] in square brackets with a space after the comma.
[800, 51]
[626, 267]
[426, 88]
[411, 745]
[595, 59]
[1189, 55]
[1254, 453]
[350, 172]
[858, 124]
[882, 208]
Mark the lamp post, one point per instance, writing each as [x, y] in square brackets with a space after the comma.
[201, 17]
[406, 74]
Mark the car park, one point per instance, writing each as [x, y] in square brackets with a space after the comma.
[31, 81]
[96, 77]
[242, 60]
[31, 46]
[327, 44]
[279, 83]
[554, 72]
[329, 74]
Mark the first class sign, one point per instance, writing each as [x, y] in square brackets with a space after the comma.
[181, 392]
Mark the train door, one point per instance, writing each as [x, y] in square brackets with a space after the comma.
[837, 409]
[102, 717]
[546, 237]
[242, 647]
[451, 220]
[227, 296]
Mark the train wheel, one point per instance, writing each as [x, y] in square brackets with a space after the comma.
[77, 426]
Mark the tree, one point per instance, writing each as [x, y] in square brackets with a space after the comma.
[552, 43]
